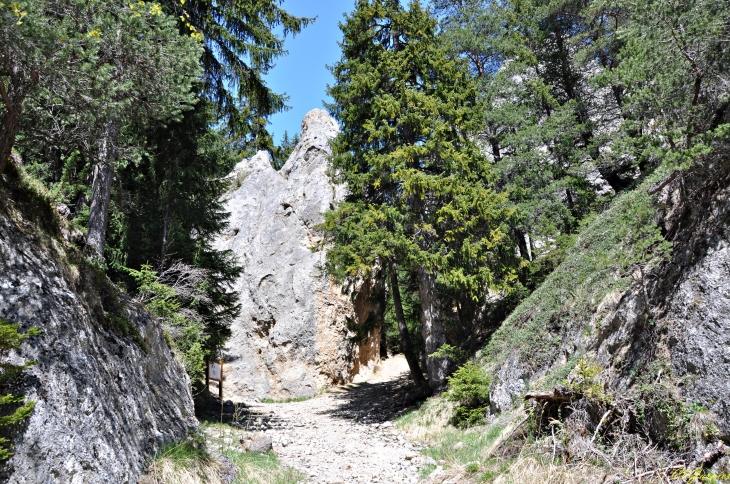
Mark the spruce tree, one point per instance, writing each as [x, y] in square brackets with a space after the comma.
[419, 188]
[241, 40]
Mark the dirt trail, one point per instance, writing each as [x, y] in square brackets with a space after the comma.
[347, 435]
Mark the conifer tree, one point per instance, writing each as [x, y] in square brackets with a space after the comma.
[241, 40]
[419, 188]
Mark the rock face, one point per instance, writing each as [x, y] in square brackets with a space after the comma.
[104, 404]
[676, 315]
[297, 331]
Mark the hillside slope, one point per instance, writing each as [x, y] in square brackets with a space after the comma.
[644, 292]
[107, 388]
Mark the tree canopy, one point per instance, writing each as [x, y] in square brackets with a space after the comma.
[420, 192]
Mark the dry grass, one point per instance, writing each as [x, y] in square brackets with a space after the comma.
[506, 451]
[187, 471]
[193, 461]
[262, 469]
[532, 470]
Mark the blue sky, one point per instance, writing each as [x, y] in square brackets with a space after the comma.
[302, 74]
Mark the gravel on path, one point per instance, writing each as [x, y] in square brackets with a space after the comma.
[347, 435]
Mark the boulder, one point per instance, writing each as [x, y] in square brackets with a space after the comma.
[258, 442]
[298, 332]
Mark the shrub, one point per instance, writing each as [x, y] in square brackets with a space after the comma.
[10, 338]
[469, 388]
[183, 326]
[585, 379]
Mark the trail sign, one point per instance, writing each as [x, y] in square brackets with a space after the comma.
[214, 371]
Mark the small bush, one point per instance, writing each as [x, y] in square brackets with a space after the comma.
[184, 327]
[585, 379]
[10, 338]
[469, 388]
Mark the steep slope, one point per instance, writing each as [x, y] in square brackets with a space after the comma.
[297, 332]
[645, 292]
[107, 388]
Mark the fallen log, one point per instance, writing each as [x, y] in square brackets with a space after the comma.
[558, 394]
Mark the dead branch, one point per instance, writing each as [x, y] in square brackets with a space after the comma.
[558, 394]
[659, 185]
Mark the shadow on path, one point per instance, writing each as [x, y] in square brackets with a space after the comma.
[375, 402]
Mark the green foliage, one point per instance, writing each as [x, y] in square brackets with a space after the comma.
[172, 212]
[184, 327]
[420, 190]
[469, 388]
[242, 40]
[448, 351]
[281, 153]
[142, 73]
[607, 250]
[10, 339]
[585, 379]
[673, 65]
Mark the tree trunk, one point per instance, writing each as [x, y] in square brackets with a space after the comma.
[12, 98]
[8, 130]
[383, 342]
[165, 229]
[101, 190]
[406, 344]
[432, 329]
[523, 244]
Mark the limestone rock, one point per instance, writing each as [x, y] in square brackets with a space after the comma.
[258, 442]
[699, 337]
[292, 336]
[104, 404]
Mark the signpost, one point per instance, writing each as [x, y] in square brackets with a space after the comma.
[214, 372]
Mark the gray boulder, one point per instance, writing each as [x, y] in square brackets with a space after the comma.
[258, 442]
[296, 333]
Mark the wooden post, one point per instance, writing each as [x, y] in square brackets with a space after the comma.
[207, 374]
[220, 382]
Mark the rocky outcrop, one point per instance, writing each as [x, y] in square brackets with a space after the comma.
[105, 402]
[672, 323]
[297, 332]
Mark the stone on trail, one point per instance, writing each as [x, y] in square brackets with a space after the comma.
[258, 442]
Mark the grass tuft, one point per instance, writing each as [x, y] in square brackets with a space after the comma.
[262, 469]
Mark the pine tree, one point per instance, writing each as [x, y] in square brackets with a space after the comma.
[127, 64]
[280, 154]
[546, 125]
[419, 188]
[241, 41]
[171, 214]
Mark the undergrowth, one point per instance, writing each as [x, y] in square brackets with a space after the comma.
[463, 453]
[469, 388]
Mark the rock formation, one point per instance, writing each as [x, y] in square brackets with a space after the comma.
[298, 331]
[674, 316]
[104, 402]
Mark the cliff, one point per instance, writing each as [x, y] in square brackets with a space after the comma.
[298, 331]
[644, 292]
[107, 388]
